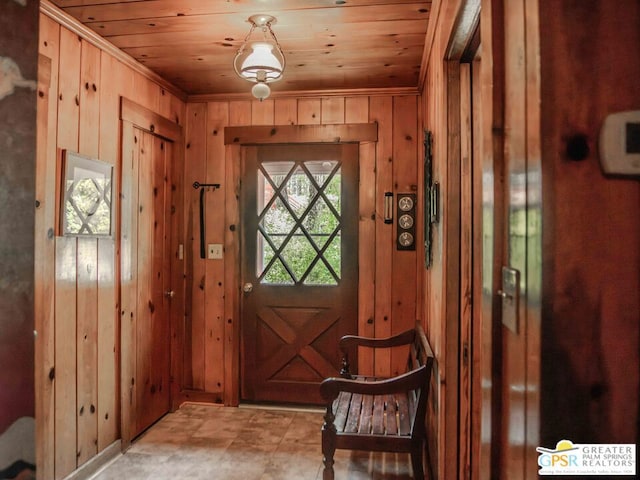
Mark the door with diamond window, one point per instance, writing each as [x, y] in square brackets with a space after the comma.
[299, 267]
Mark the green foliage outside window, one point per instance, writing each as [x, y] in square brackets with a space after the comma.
[321, 226]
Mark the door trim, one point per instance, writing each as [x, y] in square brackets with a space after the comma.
[458, 444]
[132, 116]
[263, 135]
[254, 135]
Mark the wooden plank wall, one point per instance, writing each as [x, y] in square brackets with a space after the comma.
[388, 278]
[440, 290]
[591, 236]
[82, 406]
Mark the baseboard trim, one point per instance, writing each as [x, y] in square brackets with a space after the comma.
[97, 463]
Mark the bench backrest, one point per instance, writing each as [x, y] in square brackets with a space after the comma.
[420, 355]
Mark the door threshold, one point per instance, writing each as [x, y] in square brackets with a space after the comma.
[287, 407]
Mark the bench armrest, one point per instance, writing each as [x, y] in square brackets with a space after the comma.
[331, 387]
[403, 338]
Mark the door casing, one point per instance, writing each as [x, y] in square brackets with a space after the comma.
[299, 324]
[135, 117]
[366, 134]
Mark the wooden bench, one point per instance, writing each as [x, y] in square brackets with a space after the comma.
[384, 415]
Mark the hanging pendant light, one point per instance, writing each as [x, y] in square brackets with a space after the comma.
[260, 61]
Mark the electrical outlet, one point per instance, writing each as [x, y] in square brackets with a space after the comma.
[214, 251]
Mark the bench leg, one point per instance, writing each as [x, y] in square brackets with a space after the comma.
[328, 445]
[328, 450]
[416, 462]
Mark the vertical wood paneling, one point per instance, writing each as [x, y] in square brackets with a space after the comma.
[111, 79]
[87, 319]
[145, 92]
[232, 274]
[239, 114]
[195, 170]
[87, 361]
[90, 84]
[514, 345]
[309, 111]
[45, 250]
[381, 111]
[285, 111]
[478, 317]
[157, 400]
[144, 273]
[178, 271]
[65, 366]
[128, 287]
[466, 245]
[357, 111]
[66, 262]
[451, 264]
[534, 244]
[591, 259]
[106, 343]
[217, 119]
[405, 180]
[262, 113]
[177, 110]
[165, 103]
[83, 116]
[69, 90]
[332, 110]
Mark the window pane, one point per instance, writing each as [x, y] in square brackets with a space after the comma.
[305, 213]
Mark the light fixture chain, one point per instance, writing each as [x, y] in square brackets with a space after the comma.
[246, 39]
[284, 60]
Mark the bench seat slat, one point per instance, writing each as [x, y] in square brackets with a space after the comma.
[341, 409]
[404, 416]
[365, 415]
[377, 421]
[390, 417]
[353, 417]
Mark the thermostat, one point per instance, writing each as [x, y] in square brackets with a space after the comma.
[620, 143]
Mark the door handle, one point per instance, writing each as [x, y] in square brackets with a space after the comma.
[169, 294]
[505, 295]
[248, 287]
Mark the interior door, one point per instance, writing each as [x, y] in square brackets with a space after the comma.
[153, 268]
[299, 267]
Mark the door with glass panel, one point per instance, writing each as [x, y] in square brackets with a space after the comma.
[299, 209]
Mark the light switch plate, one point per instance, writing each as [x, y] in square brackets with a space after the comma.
[214, 251]
[510, 294]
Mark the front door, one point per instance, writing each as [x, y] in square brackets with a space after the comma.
[153, 268]
[299, 267]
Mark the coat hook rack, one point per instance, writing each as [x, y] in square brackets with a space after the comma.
[203, 187]
[198, 185]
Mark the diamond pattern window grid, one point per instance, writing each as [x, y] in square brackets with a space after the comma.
[88, 206]
[292, 195]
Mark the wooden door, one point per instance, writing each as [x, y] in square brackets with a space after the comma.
[153, 268]
[299, 267]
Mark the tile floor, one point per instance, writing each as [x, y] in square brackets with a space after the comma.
[247, 443]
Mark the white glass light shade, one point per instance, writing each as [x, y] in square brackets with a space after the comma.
[261, 91]
[261, 64]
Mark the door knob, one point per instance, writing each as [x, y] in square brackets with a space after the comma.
[169, 294]
[248, 287]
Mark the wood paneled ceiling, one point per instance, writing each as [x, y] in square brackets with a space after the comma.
[329, 44]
